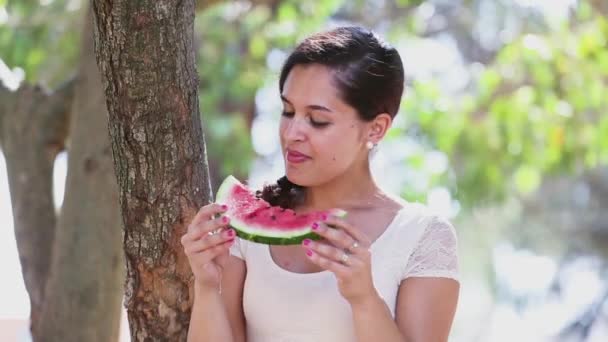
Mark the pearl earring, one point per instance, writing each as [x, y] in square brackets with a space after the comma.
[369, 145]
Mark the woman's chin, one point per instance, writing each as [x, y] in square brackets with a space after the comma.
[292, 178]
[295, 179]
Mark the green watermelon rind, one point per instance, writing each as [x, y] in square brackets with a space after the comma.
[270, 240]
[264, 236]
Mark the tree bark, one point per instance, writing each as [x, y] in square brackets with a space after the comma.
[34, 128]
[85, 286]
[146, 56]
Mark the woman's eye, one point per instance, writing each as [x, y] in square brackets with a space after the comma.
[318, 124]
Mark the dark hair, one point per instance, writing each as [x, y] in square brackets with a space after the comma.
[368, 74]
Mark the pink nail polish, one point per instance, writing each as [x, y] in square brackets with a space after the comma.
[324, 217]
[224, 207]
[315, 226]
[230, 233]
[306, 242]
[225, 219]
[309, 252]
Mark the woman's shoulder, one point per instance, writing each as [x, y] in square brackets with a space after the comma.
[432, 241]
[427, 220]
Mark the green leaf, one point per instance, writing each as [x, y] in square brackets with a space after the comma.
[584, 10]
[527, 179]
[489, 81]
[287, 12]
[258, 46]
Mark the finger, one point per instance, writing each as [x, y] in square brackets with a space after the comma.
[197, 232]
[357, 234]
[213, 252]
[336, 237]
[210, 226]
[327, 264]
[207, 212]
[331, 252]
[209, 242]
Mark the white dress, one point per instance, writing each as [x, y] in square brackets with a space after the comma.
[283, 306]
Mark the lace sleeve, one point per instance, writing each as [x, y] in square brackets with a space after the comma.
[436, 253]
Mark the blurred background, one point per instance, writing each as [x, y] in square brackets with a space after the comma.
[503, 128]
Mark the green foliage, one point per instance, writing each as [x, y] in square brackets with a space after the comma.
[43, 40]
[539, 109]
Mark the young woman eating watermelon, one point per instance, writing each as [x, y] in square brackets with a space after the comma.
[386, 272]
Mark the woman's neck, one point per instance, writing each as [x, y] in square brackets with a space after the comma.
[345, 191]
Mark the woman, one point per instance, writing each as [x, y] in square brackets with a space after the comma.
[389, 270]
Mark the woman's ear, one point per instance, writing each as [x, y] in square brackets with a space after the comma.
[378, 127]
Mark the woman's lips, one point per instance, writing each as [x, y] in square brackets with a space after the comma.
[296, 157]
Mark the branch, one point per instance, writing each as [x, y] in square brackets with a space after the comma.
[52, 109]
[5, 97]
[202, 5]
[581, 326]
[58, 116]
[600, 6]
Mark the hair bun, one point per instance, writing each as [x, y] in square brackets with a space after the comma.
[284, 193]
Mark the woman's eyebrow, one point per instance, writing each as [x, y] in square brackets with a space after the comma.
[311, 107]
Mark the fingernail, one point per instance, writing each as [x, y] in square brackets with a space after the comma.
[306, 242]
[230, 233]
[315, 226]
[225, 219]
[324, 217]
[224, 207]
[309, 252]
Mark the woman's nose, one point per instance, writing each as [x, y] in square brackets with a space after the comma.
[293, 130]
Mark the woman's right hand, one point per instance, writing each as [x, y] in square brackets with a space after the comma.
[207, 252]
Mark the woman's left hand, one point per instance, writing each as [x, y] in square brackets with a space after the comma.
[346, 254]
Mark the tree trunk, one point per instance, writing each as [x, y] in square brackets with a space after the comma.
[85, 286]
[34, 126]
[145, 53]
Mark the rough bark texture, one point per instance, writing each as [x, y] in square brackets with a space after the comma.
[85, 286]
[145, 53]
[34, 127]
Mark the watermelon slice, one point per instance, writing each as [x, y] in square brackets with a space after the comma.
[256, 220]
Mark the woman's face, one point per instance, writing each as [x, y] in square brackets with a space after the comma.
[321, 136]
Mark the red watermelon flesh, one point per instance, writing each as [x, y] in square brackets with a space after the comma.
[256, 220]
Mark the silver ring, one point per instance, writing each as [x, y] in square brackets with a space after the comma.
[344, 258]
[354, 245]
[213, 232]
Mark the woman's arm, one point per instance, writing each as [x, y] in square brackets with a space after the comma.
[209, 320]
[426, 308]
[232, 293]
[219, 317]
[425, 311]
[427, 296]
[373, 322]
[428, 293]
